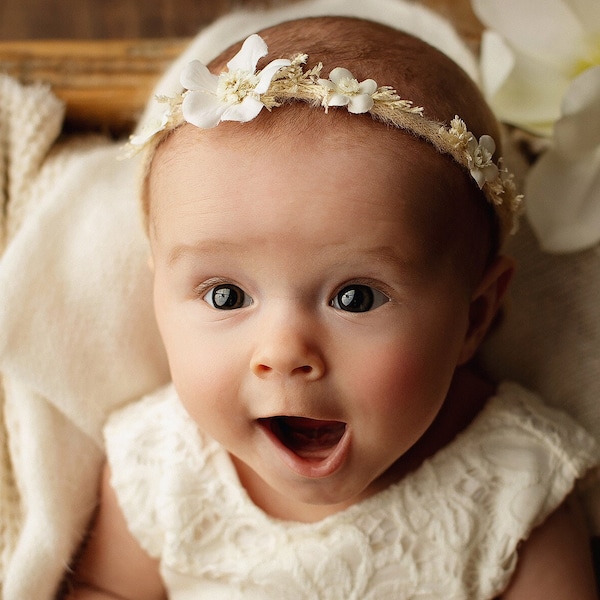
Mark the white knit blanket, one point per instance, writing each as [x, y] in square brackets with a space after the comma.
[77, 333]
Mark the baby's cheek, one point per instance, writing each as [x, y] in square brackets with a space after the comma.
[387, 371]
[397, 385]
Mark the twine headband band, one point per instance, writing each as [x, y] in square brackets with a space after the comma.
[241, 92]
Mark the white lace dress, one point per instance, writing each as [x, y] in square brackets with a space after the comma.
[449, 530]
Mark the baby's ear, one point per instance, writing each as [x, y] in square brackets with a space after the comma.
[485, 303]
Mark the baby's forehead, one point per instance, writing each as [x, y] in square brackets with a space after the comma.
[379, 169]
[410, 172]
[297, 127]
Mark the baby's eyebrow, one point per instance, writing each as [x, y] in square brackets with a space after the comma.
[411, 258]
[411, 265]
[202, 248]
[384, 253]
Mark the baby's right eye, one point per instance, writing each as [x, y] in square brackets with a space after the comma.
[227, 296]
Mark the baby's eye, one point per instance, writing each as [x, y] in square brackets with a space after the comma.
[227, 296]
[358, 298]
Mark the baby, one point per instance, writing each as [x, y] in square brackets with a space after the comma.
[327, 255]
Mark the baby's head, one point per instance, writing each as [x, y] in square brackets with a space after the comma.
[421, 74]
[319, 276]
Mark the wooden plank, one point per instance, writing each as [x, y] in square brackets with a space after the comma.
[114, 19]
[103, 83]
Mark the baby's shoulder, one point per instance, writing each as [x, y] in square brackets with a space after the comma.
[517, 452]
[516, 416]
[155, 431]
[155, 452]
[153, 443]
[144, 427]
[156, 410]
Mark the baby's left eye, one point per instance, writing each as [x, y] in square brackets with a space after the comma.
[358, 298]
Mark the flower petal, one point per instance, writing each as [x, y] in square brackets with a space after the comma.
[338, 100]
[578, 131]
[196, 76]
[588, 13]
[368, 86]
[339, 74]
[267, 74]
[487, 142]
[563, 201]
[531, 96]
[243, 112]
[547, 30]
[360, 104]
[479, 176]
[584, 92]
[490, 172]
[496, 63]
[252, 50]
[202, 110]
[328, 84]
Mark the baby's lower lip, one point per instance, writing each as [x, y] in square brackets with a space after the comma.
[313, 448]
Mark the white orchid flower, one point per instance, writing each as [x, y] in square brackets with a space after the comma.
[233, 95]
[563, 186]
[531, 53]
[346, 90]
[541, 71]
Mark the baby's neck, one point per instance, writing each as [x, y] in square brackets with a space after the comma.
[467, 395]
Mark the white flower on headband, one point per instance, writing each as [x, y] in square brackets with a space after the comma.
[479, 154]
[480, 158]
[235, 94]
[345, 90]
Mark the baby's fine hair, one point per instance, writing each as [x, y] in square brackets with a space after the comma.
[418, 71]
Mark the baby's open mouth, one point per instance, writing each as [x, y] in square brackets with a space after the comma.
[308, 438]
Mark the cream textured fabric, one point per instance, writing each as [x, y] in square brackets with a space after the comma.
[77, 331]
[448, 530]
[30, 120]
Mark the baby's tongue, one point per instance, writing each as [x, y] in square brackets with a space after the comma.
[308, 438]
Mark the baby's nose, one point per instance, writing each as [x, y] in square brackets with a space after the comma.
[288, 352]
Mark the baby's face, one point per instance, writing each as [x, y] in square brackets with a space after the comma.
[310, 327]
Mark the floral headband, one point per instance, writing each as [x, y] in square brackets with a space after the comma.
[241, 92]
